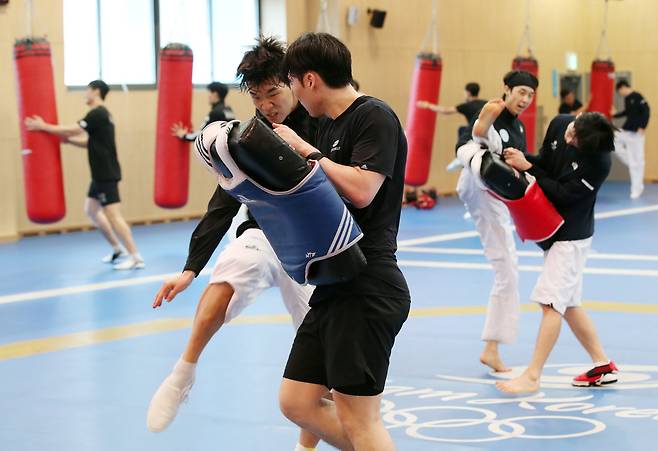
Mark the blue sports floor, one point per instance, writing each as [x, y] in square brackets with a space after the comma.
[82, 351]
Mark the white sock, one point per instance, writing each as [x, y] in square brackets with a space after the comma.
[303, 448]
[183, 373]
[116, 249]
[605, 362]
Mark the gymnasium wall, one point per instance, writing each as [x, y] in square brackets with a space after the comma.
[478, 40]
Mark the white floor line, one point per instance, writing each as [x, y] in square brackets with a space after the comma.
[41, 294]
[525, 268]
[538, 254]
[472, 233]
[626, 212]
[438, 238]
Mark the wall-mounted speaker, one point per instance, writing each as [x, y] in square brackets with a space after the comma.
[377, 17]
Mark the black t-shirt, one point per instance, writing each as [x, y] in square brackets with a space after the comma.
[471, 109]
[101, 147]
[368, 134]
[223, 207]
[565, 108]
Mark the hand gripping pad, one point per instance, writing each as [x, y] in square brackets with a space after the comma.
[265, 157]
[501, 178]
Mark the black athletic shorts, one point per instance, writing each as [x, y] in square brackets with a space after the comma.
[105, 192]
[345, 343]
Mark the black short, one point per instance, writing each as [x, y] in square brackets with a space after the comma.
[345, 343]
[104, 192]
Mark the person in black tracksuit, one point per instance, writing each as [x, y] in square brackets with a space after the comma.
[629, 141]
[248, 265]
[573, 163]
[219, 111]
[569, 104]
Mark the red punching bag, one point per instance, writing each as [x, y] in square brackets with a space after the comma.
[172, 155]
[421, 121]
[602, 86]
[529, 116]
[42, 164]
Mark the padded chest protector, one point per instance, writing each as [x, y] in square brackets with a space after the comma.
[307, 223]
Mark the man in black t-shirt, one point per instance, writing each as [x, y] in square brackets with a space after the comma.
[470, 109]
[95, 132]
[569, 104]
[219, 111]
[629, 141]
[345, 341]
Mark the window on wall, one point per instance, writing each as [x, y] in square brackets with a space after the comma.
[109, 39]
[81, 62]
[234, 31]
[218, 31]
[116, 40]
[127, 42]
[188, 22]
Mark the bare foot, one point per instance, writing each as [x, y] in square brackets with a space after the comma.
[493, 361]
[522, 384]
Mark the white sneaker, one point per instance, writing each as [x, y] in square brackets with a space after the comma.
[114, 256]
[454, 165]
[637, 194]
[165, 403]
[131, 263]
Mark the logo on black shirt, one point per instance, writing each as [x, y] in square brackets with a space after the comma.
[335, 147]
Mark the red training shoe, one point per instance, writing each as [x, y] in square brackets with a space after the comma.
[597, 376]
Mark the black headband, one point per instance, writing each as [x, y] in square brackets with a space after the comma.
[521, 78]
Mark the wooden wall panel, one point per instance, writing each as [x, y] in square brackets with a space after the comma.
[478, 39]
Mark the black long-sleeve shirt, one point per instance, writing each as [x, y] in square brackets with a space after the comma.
[218, 112]
[570, 179]
[222, 207]
[565, 108]
[636, 111]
